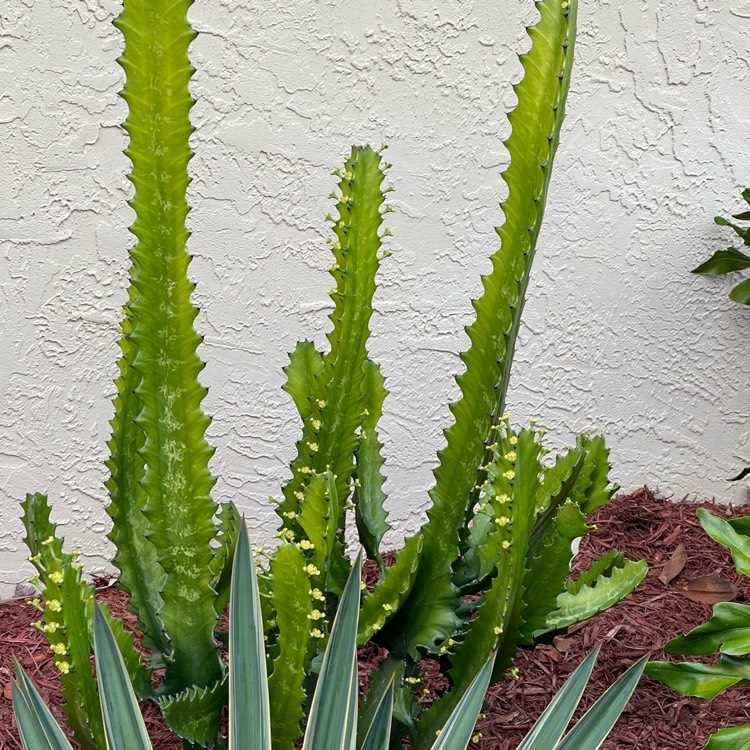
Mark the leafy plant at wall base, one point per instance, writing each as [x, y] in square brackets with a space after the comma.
[728, 261]
[727, 632]
[487, 573]
[333, 720]
[731, 259]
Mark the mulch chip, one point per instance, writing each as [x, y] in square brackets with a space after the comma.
[640, 525]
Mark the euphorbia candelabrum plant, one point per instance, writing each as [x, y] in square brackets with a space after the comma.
[489, 569]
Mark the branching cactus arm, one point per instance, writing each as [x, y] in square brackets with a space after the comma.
[66, 605]
[536, 123]
[327, 389]
[161, 349]
[369, 496]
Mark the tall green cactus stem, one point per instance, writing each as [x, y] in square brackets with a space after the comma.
[328, 388]
[536, 123]
[159, 391]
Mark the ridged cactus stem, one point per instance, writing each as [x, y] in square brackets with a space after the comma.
[161, 347]
[536, 123]
[328, 389]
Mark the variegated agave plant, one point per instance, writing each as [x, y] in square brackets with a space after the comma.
[501, 521]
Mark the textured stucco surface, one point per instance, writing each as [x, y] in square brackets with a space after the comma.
[618, 335]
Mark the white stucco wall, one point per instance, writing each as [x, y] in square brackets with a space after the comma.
[618, 335]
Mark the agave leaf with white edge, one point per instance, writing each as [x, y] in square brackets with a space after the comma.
[332, 724]
[551, 725]
[592, 729]
[249, 712]
[123, 723]
[379, 732]
[460, 724]
[36, 726]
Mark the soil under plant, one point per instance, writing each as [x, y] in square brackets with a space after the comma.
[641, 525]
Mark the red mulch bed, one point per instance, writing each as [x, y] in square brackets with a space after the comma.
[640, 525]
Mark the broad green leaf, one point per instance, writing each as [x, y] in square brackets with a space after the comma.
[592, 729]
[741, 293]
[724, 261]
[722, 532]
[249, 712]
[550, 726]
[460, 724]
[701, 680]
[732, 738]
[36, 725]
[123, 723]
[332, 724]
[728, 630]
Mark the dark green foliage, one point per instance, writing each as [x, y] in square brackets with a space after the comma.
[726, 633]
[731, 259]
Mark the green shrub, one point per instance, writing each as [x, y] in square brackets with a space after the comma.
[501, 521]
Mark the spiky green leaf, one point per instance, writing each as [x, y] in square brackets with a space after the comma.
[332, 724]
[123, 722]
[249, 710]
